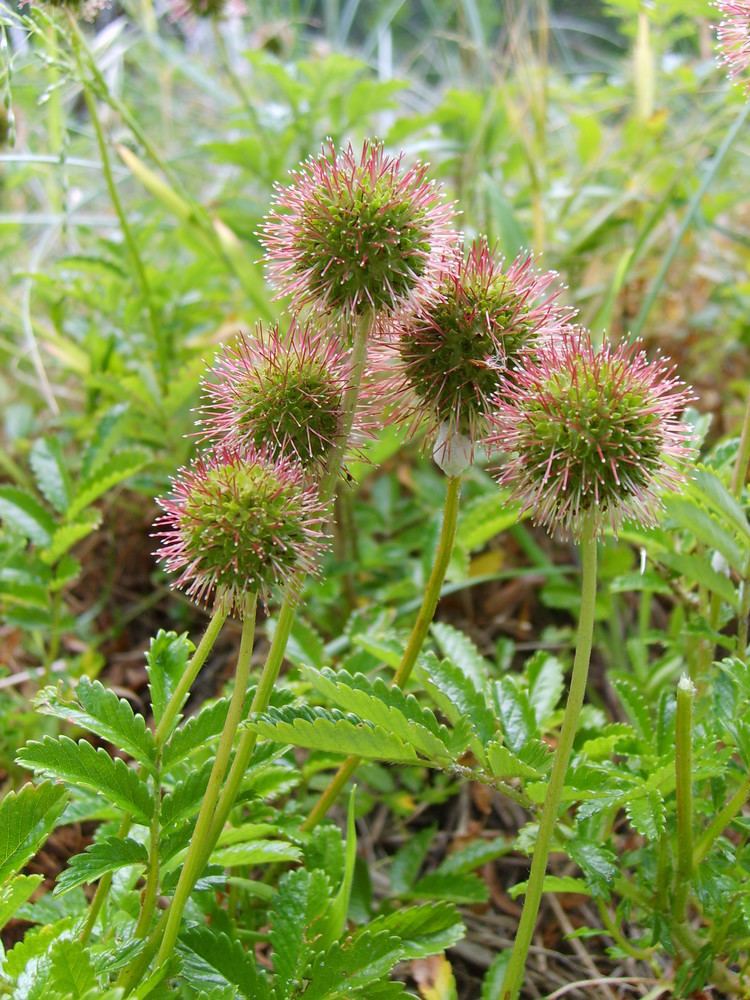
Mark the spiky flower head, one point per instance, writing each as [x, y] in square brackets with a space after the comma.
[454, 349]
[283, 392]
[734, 36]
[237, 523]
[591, 433]
[353, 234]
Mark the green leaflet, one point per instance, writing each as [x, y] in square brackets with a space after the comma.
[102, 712]
[102, 856]
[388, 707]
[80, 764]
[459, 648]
[112, 472]
[334, 732]
[230, 962]
[50, 471]
[27, 818]
[166, 661]
[25, 515]
[456, 696]
[15, 893]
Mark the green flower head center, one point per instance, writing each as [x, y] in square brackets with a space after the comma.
[364, 244]
[474, 333]
[298, 405]
[594, 434]
[242, 524]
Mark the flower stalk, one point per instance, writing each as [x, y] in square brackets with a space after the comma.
[684, 791]
[515, 970]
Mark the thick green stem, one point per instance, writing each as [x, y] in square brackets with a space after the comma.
[180, 693]
[414, 645]
[684, 793]
[514, 973]
[162, 733]
[195, 857]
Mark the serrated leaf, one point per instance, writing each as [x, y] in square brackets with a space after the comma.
[27, 818]
[229, 959]
[72, 974]
[333, 732]
[15, 893]
[546, 682]
[185, 797]
[516, 715]
[106, 476]
[456, 696]
[81, 764]
[716, 495]
[102, 712]
[195, 733]
[105, 855]
[505, 764]
[68, 535]
[554, 883]
[257, 852]
[25, 515]
[423, 930]
[385, 706]
[49, 467]
[635, 706]
[597, 863]
[166, 662]
[35, 949]
[300, 901]
[352, 965]
[647, 814]
[459, 648]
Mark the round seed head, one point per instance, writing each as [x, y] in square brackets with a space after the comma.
[353, 234]
[454, 349]
[282, 392]
[733, 34]
[591, 433]
[239, 522]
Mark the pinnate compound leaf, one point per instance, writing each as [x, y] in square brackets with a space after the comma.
[531, 763]
[15, 893]
[72, 974]
[102, 712]
[81, 764]
[299, 904]
[114, 471]
[353, 965]
[48, 465]
[228, 959]
[385, 706]
[460, 649]
[333, 732]
[166, 661]
[24, 514]
[456, 696]
[27, 818]
[106, 855]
